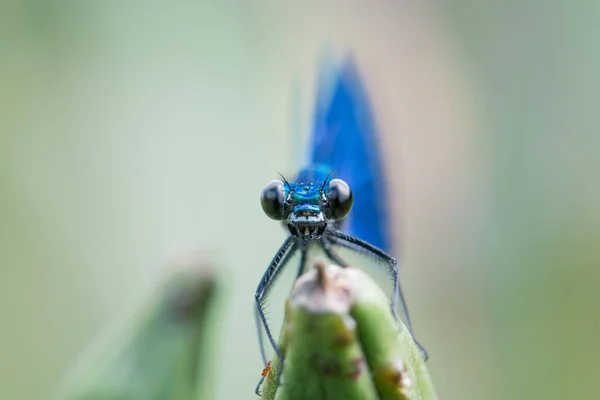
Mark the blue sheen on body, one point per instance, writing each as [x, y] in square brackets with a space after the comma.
[307, 188]
[345, 142]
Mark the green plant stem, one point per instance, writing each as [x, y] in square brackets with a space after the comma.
[340, 341]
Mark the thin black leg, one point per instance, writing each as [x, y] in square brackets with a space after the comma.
[261, 346]
[357, 244]
[303, 258]
[279, 261]
[327, 248]
[257, 319]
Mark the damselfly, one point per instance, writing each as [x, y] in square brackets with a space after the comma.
[340, 199]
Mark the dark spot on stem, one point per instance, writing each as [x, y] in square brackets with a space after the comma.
[327, 367]
[344, 338]
[358, 364]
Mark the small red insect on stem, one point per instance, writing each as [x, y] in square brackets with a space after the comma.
[266, 370]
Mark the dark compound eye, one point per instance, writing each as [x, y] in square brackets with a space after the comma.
[340, 198]
[272, 199]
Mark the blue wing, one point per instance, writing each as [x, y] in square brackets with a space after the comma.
[345, 139]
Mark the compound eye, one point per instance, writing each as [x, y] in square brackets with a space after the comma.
[272, 200]
[340, 199]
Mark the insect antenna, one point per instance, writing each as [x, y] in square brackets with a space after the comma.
[325, 181]
[285, 180]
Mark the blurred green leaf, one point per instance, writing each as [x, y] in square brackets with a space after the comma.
[155, 355]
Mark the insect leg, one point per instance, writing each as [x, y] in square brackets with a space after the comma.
[257, 318]
[303, 257]
[261, 346]
[327, 248]
[281, 258]
[357, 244]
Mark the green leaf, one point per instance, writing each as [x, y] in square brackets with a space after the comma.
[155, 355]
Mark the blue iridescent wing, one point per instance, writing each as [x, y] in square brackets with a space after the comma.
[345, 139]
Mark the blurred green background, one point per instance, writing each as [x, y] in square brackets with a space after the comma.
[131, 131]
